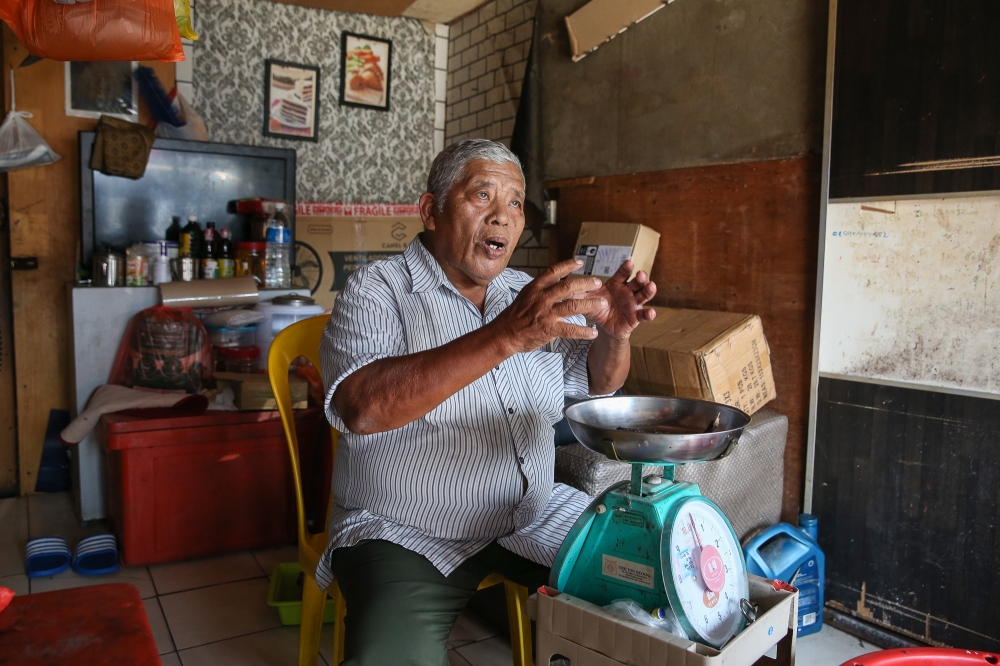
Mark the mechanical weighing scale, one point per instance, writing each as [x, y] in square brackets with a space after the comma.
[653, 540]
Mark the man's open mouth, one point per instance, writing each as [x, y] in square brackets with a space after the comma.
[496, 247]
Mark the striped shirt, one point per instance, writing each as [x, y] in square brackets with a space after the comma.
[477, 468]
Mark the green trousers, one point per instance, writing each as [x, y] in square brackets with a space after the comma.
[400, 609]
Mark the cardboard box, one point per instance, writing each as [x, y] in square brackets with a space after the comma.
[601, 20]
[603, 246]
[341, 245]
[588, 635]
[718, 356]
[253, 391]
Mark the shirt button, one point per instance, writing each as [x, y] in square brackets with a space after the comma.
[498, 367]
[510, 410]
[520, 459]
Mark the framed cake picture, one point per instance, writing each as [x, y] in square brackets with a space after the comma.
[365, 71]
[291, 100]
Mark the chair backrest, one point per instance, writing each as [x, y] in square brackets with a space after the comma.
[300, 339]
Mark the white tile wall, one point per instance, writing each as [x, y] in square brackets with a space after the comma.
[440, 83]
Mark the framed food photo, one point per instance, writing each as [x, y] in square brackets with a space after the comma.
[291, 100]
[365, 71]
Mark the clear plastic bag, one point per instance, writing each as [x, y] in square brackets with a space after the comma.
[164, 348]
[20, 145]
[193, 128]
[630, 610]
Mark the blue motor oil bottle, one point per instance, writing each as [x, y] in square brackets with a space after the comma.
[792, 555]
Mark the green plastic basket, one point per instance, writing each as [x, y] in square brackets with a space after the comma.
[285, 594]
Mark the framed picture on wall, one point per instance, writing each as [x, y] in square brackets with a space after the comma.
[291, 100]
[101, 88]
[365, 71]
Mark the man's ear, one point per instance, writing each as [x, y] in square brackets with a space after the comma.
[428, 210]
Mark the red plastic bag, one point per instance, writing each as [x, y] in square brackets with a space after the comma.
[96, 30]
[165, 349]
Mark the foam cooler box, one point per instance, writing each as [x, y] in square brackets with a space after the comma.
[587, 635]
[192, 486]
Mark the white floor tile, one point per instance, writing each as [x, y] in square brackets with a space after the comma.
[276, 647]
[267, 558]
[13, 535]
[164, 643]
[491, 652]
[170, 659]
[217, 613]
[469, 628]
[830, 647]
[52, 514]
[17, 582]
[192, 574]
[137, 576]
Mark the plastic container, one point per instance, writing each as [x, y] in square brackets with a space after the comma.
[792, 555]
[281, 312]
[238, 359]
[232, 337]
[250, 260]
[285, 594]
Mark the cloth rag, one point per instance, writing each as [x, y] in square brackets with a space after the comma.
[121, 148]
[113, 398]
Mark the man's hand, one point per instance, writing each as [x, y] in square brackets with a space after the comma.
[624, 300]
[536, 316]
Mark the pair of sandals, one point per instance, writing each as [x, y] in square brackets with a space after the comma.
[95, 555]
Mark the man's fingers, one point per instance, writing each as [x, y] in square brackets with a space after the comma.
[575, 306]
[623, 272]
[645, 314]
[557, 272]
[574, 332]
[645, 294]
[574, 287]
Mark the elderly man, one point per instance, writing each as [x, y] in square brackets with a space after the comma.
[445, 373]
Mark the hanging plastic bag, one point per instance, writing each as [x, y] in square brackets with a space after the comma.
[182, 13]
[96, 30]
[193, 129]
[164, 348]
[20, 145]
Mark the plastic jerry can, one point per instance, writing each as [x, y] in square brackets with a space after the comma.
[792, 555]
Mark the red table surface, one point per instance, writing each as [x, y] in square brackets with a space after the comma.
[100, 624]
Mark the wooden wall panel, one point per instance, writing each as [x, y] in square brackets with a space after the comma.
[737, 238]
[45, 223]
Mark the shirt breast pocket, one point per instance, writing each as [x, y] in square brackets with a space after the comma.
[545, 377]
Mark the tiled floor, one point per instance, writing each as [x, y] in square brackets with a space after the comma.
[214, 611]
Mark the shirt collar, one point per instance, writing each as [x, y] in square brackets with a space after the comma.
[427, 275]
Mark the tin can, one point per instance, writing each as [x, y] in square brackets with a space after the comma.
[227, 268]
[187, 269]
[209, 269]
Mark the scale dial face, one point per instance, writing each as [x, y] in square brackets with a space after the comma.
[707, 572]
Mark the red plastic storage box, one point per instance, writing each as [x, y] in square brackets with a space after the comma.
[191, 486]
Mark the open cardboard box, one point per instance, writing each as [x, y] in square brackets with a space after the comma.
[588, 635]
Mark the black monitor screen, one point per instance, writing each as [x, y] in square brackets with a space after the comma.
[182, 178]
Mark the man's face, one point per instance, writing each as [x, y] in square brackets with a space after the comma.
[476, 233]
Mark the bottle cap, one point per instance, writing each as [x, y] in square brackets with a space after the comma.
[279, 206]
[258, 246]
[192, 218]
[807, 520]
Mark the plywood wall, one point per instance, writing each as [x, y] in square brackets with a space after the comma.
[44, 223]
[737, 238]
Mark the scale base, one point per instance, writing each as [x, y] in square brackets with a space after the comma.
[613, 551]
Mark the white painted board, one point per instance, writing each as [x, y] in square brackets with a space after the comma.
[911, 292]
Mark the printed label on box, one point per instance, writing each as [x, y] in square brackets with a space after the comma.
[602, 260]
[630, 572]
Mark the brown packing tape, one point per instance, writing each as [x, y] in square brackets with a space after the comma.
[209, 293]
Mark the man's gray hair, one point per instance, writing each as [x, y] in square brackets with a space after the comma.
[449, 166]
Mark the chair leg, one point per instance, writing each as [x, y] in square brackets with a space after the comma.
[520, 623]
[338, 624]
[313, 604]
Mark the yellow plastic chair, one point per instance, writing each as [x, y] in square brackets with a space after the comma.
[302, 339]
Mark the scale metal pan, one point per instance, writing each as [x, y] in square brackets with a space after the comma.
[656, 430]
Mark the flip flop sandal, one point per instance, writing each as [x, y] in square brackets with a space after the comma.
[96, 555]
[46, 556]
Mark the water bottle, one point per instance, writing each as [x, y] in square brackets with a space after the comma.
[792, 555]
[278, 258]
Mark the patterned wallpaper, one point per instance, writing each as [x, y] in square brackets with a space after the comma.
[362, 155]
